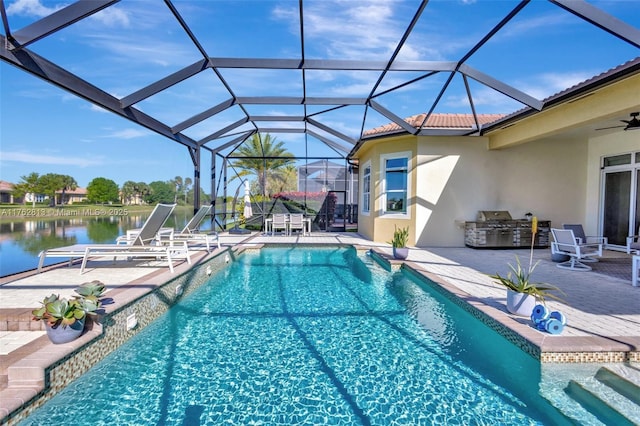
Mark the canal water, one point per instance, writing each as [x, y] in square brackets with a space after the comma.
[21, 240]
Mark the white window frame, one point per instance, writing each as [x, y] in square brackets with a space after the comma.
[383, 195]
[366, 195]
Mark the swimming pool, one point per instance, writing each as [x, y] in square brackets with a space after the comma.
[309, 336]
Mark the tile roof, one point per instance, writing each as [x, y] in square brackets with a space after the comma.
[6, 186]
[436, 121]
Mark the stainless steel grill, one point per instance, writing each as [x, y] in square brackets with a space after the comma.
[496, 228]
[492, 215]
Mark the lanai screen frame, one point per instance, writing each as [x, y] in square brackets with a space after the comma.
[15, 50]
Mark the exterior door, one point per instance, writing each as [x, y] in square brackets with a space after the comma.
[621, 198]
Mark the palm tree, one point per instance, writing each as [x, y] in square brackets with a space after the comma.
[187, 184]
[52, 182]
[67, 184]
[266, 159]
[177, 182]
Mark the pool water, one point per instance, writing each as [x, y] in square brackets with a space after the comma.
[309, 336]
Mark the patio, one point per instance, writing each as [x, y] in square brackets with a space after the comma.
[602, 309]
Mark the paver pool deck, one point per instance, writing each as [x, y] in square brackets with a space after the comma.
[603, 311]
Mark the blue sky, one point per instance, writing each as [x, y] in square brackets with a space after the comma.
[136, 42]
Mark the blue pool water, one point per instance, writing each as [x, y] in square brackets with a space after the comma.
[309, 336]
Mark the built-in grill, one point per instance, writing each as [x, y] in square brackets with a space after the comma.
[493, 215]
[496, 229]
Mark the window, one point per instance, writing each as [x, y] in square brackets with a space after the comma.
[395, 184]
[366, 189]
[617, 160]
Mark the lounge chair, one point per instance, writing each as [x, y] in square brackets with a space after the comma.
[191, 233]
[565, 243]
[296, 221]
[279, 222]
[144, 244]
[633, 243]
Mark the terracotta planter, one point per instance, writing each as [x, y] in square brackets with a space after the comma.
[520, 303]
[59, 334]
[400, 253]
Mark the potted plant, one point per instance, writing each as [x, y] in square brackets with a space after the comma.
[522, 294]
[65, 318]
[399, 243]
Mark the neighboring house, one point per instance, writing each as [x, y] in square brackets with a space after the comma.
[77, 195]
[6, 192]
[558, 163]
[29, 197]
[135, 199]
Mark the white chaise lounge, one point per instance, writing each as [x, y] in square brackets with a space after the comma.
[191, 234]
[145, 244]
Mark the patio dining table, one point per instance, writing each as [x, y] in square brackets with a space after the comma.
[268, 225]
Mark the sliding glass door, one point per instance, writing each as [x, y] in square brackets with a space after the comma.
[621, 198]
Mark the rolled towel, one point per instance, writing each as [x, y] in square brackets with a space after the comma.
[559, 316]
[554, 326]
[539, 314]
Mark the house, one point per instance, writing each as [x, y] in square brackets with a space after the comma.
[571, 162]
[6, 192]
[77, 195]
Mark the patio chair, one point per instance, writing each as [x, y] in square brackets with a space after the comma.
[296, 221]
[191, 233]
[279, 222]
[581, 238]
[633, 243]
[565, 243]
[144, 244]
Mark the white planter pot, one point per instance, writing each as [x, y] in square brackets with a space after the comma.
[520, 304]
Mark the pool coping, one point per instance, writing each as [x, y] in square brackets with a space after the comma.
[544, 347]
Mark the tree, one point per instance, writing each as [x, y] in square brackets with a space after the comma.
[134, 191]
[29, 184]
[53, 182]
[102, 190]
[266, 159]
[68, 184]
[177, 182]
[161, 192]
[187, 186]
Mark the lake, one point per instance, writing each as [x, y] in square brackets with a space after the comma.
[21, 240]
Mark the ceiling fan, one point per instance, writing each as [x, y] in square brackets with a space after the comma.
[633, 124]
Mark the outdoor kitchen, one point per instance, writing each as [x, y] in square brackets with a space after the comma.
[497, 229]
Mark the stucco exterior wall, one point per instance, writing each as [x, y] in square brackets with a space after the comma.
[456, 177]
[376, 226]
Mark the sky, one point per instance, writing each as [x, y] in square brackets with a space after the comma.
[127, 46]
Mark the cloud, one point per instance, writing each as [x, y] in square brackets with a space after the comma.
[110, 17]
[23, 157]
[127, 134]
[32, 8]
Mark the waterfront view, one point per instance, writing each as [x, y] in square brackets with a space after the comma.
[29, 231]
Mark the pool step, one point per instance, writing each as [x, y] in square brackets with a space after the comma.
[623, 379]
[605, 395]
